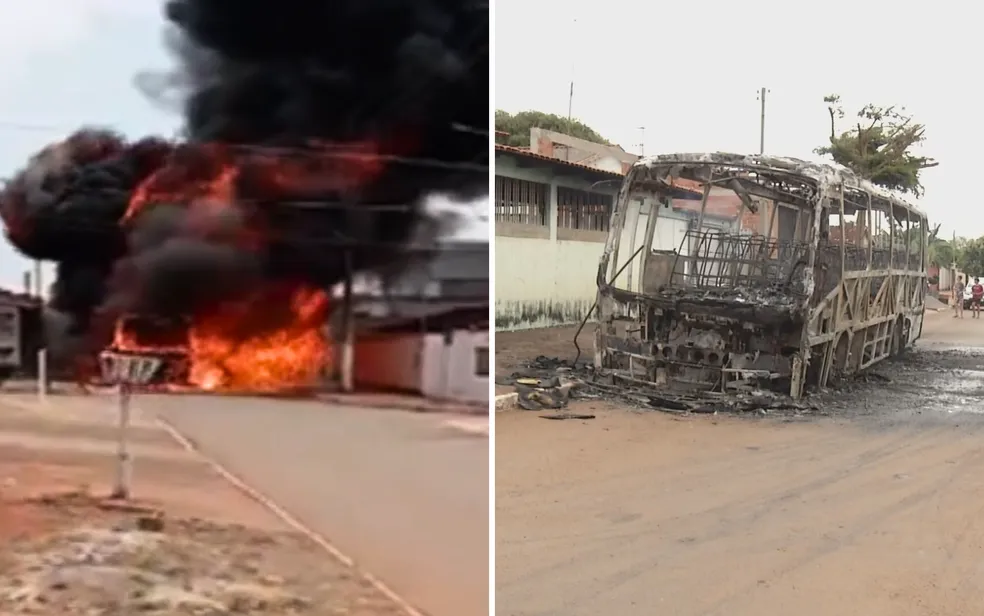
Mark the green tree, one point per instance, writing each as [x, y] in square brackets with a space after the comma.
[941, 252]
[518, 126]
[879, 146]
[971, 257]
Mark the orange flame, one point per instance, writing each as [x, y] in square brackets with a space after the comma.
[233, 347]
[287, 357]
[230, 349]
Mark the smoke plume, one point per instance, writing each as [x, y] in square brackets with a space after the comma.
[310, 126]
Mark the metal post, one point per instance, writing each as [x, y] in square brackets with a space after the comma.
[37, 280]
[634, 225]
[43, 385]
[124, 470]
[348, 330]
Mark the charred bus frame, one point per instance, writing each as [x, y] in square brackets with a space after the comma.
[818, 274]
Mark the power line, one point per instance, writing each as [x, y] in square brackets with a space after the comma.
[79, 226]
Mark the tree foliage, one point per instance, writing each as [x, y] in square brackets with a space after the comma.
[879, 146]
[518, 126]
[942, 252]
[971, 257]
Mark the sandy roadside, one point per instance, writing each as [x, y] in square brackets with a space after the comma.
[188, 543]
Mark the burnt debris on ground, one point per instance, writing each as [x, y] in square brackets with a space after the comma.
[550, 383]
[921, 381]
[927, 381]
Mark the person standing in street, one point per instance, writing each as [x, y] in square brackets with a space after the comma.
[958, 293]
[977, 294]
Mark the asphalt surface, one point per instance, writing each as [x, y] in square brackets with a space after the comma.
[403, 494]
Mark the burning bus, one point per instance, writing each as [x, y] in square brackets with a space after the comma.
[307, 153]
[782, 274]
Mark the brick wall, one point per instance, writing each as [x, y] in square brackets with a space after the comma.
[723, 204]
[851, 233]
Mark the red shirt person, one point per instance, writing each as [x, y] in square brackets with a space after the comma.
[976, 293]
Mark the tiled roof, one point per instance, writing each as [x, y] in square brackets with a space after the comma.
[19, 299]
[528, 154]
[683, 184]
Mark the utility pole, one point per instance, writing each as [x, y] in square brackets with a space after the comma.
[953, 244]
[347, 368]
[44, 384]
[570, 107]
[761, 97]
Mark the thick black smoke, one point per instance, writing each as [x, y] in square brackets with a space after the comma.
[270, 80]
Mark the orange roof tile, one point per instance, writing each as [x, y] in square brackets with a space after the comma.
[681, 183]
[524, 152]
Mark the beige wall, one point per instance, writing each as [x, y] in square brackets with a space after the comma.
[438, 367]
[545, 275]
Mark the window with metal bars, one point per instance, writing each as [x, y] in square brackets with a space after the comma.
[521, 201]
[580, 209]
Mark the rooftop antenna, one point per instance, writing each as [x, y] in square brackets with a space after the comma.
[570, 95]
[642, 141]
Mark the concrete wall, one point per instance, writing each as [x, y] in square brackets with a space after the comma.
[566, 147]
[948, 276]
[450, 367]
[389, 361]
[434, 365]
[545, 275]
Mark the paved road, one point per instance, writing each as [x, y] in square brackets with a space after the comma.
[402, 493]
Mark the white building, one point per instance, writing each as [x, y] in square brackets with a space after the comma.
[580, 151]
[428, 333]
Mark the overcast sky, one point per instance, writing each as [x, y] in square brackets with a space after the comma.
[690, 75]
[68, 63]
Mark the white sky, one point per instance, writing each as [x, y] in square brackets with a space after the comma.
[68, 63]
[691, 73]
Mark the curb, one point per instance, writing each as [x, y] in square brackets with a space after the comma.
[422, 406]
[275, 509]
[506, 402]
[472, 427]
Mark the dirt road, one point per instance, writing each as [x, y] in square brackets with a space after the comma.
[878, 510]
